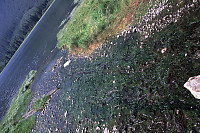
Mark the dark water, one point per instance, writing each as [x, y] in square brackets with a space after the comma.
[11, 12]
[35, 53]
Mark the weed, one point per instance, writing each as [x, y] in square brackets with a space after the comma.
[39, 103]
[12, 121]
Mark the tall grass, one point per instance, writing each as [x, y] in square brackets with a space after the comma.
[39, 103]
[12, 121]
[94, 21]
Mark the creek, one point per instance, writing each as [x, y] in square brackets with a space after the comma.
[35, 53]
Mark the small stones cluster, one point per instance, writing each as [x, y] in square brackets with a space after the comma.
[49, 119]
[146, 27]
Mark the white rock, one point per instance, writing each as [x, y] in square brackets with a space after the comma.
[163, 50]
[97, 128]
[115, 128]
[193, 85]
[106, 130]
[65, 114]
[67, 63]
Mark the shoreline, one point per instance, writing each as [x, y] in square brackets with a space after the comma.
[12, 120]
[139, 81]
[35, 55]
[126, 77]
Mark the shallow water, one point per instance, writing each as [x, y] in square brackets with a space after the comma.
[35, 53]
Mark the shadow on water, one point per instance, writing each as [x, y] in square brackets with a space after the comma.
[35, 53]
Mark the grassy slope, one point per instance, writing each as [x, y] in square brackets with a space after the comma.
[95, 21]
[12, 121]
[133, 87]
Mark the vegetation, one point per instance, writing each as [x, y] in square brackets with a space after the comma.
[27, 23]
[94, 21]
[130, 85]
[12, 121]
[39, 103]
[25, 126]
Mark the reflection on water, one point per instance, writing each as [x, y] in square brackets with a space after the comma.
[11, 11]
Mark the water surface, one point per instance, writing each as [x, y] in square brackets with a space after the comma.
[35, 53]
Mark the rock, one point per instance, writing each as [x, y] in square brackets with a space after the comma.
[193, 85]
[197, 54]
[97, 128]
[67, 63]
[163, 50]
[65, 114]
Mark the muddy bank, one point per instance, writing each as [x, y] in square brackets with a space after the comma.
[50, 118]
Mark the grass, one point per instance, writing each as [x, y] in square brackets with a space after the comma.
[135, 87]
[39, 103]
[95, 21]
[12, 121]
[25, 126]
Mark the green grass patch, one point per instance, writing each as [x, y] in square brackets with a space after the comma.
[12, 121]
[93, 21]
[39, 103]
[25, 126]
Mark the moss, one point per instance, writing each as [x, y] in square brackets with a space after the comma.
[25, 126]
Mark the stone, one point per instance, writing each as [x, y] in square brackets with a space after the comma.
[193, 85]
[67, 63]
[197, 54]
[65, 114]
[163, 50]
